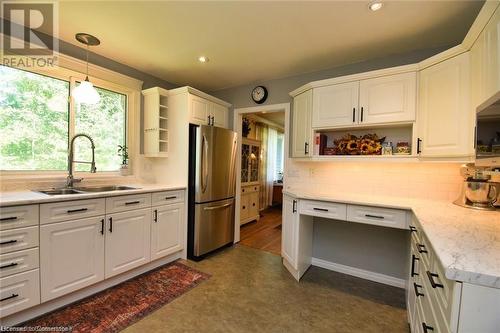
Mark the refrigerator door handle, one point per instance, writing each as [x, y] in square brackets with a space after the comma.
[218, 207]
[204, 164]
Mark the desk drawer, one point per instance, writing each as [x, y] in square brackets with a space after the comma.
[128, 202]
[18, 239]
[167, 197]
[385, 217]
[71, 210]
[324, 209]
[18, 217]
[18, 262]
[19, 292]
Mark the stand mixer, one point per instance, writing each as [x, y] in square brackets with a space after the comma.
[479, 191]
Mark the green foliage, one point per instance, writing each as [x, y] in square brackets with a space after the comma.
[34, 126]
[123, 153]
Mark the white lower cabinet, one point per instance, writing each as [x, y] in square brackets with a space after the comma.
[19, 292]
[166, 230]
[289, 231]
[72, 256]
[127, 241]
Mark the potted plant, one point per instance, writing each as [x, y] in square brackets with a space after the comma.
[123, 153]
[245, 127]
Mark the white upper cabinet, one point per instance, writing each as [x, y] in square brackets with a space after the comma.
[335, 105]
[381, 100]
[388, 99]
[445, 118]
[301, 125]
[219, 114]
[199, 110]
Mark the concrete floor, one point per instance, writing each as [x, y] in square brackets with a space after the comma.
[250, 291]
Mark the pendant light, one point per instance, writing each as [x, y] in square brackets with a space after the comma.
[85, 93]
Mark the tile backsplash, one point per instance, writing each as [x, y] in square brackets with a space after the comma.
[410, 180]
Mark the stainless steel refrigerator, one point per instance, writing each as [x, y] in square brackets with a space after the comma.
[212, 182]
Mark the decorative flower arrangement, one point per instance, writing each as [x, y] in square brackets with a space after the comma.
[368, 144]
[245, 127]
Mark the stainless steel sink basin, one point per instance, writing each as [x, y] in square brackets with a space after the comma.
[60, 191]
[105, 188]
[80, 190]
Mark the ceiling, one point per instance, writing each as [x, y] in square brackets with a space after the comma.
[255, 41]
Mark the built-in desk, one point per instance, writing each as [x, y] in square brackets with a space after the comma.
[453, 281]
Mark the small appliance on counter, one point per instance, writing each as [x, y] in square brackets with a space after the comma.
[478, 190]
[212, 185]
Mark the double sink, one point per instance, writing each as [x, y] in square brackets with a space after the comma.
[81, 190]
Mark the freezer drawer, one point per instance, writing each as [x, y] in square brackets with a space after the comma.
[213, 226]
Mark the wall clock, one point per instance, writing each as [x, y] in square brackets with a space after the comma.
[259, 94]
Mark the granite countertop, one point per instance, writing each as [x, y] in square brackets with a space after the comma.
[466, 241]
[27, 197]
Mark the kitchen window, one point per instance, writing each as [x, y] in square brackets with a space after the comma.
[37, 120]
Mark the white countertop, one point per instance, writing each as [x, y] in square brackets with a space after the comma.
[466, 241]
[30, 197]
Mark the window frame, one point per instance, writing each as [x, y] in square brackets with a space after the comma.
[102, 78]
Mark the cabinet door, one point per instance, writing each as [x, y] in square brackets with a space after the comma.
[289, 231]
[253, 204]
[220, 113]
[445, 119]
[167, 230]
[301, 125]
[71, 256]
[199, 109]
[245, 165]
[388, 99]
[336, 105]
[244, 209]
[127, 241]
[491, 69]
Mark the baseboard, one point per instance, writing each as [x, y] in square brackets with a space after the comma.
[361, 273]
[38, 310]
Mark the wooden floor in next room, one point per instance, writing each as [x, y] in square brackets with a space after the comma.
[264, 234]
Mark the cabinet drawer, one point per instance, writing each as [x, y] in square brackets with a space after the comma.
[386, 217]
[167, 197]
[19, 292]
[18, 239]
[70, 210]
[128, 202]
[329, 210]
[423, 248]
[17, 262]
[18, 216]
[250, 189]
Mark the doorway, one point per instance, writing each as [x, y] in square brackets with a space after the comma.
[260, 168]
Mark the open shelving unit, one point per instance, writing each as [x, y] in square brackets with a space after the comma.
[156, 122]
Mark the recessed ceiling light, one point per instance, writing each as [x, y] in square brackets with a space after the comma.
[203, 59]
[374, 6]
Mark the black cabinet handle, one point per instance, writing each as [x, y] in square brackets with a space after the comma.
[414, 258]
[10, 218]
[353, 115]
[306, 148]
[413, 229]
[170, 198]
[8, 242]
[102, 227]
[132, 203]
[321, 209]
[362, 114]
[208, 120]
[8, 297]
[79, 210]
[418, 145]
[375, 216]
[110, 224]
[417, 292]
[294, 206]
[475, 137]
[155, 218]
[431, 277]
[427, 328]
[213, 120]
[421, 248]
[12, 264]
